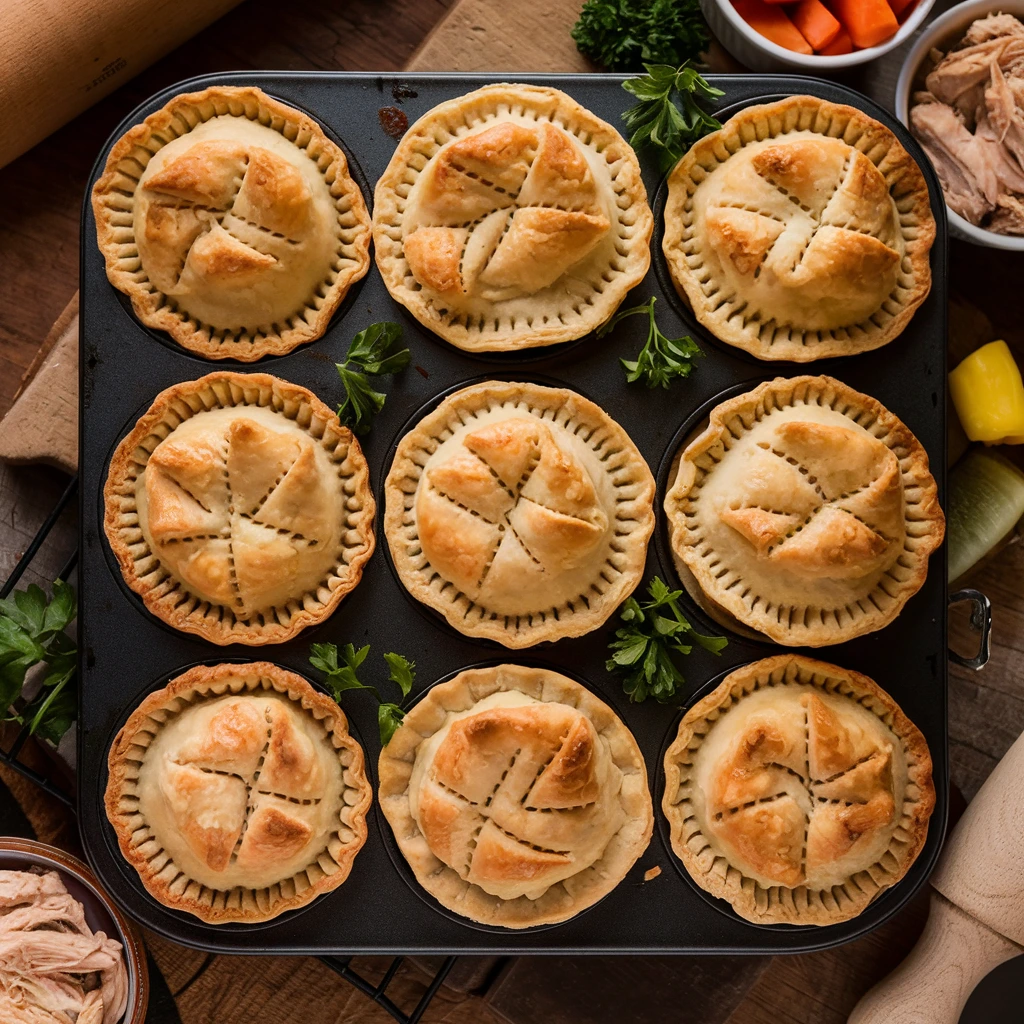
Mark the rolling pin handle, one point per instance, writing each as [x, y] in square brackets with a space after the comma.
[933, 983]
[981, 623]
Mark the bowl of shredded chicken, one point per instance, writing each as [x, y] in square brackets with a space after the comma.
[961, 93]
[67, 955]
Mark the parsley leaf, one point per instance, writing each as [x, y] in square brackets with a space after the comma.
[339, 670]
[661, 358]
[402, 671]
[623, 35]
[657, 120]
[643, 648]
[370, 354]
[389, 718]
[32, 633]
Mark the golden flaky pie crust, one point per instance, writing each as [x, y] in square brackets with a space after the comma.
[566, 898]
[168, 596]
[585, 294]
[711, 870]
[114, 198]
[718, 569]
[723, 308]
[608, 571]
[327, 869]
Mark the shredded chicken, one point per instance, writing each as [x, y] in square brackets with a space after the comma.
[970, 121]
[53, 968]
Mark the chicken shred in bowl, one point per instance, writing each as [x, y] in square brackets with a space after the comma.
[970, 120]
[53, 968]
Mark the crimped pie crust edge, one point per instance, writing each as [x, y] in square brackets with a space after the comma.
[780, 905]
[456, 608]
[186, 331]
[926, 527]
[560, 109]
[182, 615]
[907, 186]
[239, 905]
[564, 899]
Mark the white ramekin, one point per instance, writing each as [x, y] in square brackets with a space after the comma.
[759, 54]
[943, 32]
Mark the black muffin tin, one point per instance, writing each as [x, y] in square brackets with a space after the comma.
[127, 653]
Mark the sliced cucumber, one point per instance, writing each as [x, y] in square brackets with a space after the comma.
[986, 499]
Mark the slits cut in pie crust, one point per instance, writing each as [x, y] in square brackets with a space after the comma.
[797, 791]
[519, 512]
[231, 221]
[801, 230]
[237, 793]
[806, 511]
[239, 508]
[516, 796]
[510, 218]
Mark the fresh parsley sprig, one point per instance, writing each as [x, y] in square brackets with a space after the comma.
[340, 675]
[623, 35]
[658, 120]
[32, 633]
[652, 632]
[370, 354]
[662, 358]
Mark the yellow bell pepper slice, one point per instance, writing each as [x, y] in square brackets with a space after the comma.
[988, 395]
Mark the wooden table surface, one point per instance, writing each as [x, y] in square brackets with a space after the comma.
[39, 223]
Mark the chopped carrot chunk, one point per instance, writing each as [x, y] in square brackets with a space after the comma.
[815, 23]
[840, 45]
[869, 22]
[773, 23]
[901, 8]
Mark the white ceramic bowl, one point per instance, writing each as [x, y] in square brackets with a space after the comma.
[760, 54]
[943, 32]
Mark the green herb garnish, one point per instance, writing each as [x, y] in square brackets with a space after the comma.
[340, 675]
[369, 355]
[32, 633]
[661, 358]
[652, 633]
[623, 35]
[658, 120]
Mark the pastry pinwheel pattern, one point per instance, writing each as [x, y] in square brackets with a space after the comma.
[792, 809]
[241, 515]
[509, 511]
[502, 213]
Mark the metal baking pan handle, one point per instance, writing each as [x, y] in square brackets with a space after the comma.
[981, 623]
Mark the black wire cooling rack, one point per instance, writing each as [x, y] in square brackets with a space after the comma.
[11, 757]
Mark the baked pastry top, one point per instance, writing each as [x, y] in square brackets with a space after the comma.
[520, 512]
[239, 508]
[800, 230]
[797, 791]
[237, 793]
[517, 797]
[232, 223]
[511, 217]
[806, 511]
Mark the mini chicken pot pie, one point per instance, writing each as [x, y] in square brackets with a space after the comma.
[237, 793]
[806, 511]
[800, 230]
[517, 797]
[511, 217]
[239, 508]
[798, 791]
[231, 222]
[520, 512]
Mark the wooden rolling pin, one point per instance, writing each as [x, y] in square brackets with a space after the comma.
[61, 56]
[977, 910]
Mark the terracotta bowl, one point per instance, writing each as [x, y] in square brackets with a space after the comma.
[100, 913]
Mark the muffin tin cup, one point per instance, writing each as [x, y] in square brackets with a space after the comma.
[378, 910]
